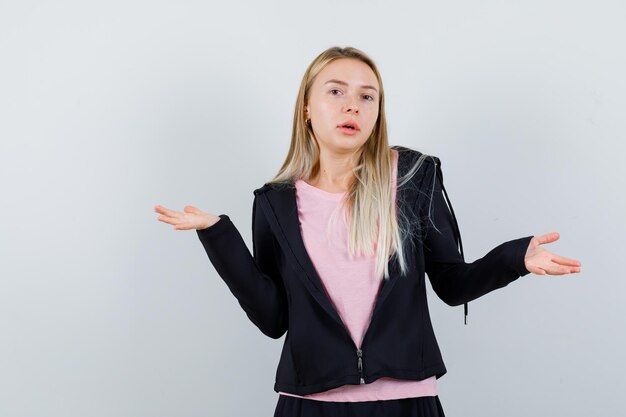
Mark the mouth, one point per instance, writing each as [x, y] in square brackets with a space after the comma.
[349, 126]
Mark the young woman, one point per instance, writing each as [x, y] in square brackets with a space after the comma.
[342, 238]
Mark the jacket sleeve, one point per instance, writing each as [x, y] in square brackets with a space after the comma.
[455, 281]
[253, 280]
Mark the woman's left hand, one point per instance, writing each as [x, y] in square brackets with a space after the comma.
[541, 261]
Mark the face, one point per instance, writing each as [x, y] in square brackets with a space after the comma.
[345, 91]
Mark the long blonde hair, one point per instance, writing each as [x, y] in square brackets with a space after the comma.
[374, 227]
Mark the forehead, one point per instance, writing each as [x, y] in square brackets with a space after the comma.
[349, 70]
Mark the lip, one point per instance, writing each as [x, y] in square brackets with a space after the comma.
[347, 130]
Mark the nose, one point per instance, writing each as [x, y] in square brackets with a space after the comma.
[351, 106]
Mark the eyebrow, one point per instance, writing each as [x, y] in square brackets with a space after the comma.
[345, 83]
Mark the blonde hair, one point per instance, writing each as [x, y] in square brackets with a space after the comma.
[374, 225]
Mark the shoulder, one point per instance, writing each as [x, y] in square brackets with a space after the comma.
[415, 166]
[273, 186]
[412, 156]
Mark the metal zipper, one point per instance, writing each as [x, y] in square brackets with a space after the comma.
[359, 354]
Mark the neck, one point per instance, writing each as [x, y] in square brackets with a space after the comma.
[335, 173]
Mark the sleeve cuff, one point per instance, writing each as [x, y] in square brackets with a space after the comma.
[215, 229]
[521, 246]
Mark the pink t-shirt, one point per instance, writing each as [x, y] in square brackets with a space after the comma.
[325, 233]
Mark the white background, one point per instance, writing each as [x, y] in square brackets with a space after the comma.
[109, 108]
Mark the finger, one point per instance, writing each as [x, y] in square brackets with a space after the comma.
[165, 219]
[571, 269]
[565, 261]
[536, 270]
[548, 238]
[561, 270]
[557, 269]
[163, 210]
[191, 209]
[171, 220]
[184, 226]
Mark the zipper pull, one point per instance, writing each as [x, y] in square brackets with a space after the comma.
[359, 354]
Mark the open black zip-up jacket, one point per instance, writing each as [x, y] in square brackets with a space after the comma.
[280, 291]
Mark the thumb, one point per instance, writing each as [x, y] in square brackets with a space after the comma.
[191, 209]
[548, 238]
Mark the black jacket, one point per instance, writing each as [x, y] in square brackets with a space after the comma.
[280, 291]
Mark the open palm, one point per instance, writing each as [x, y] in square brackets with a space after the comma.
[190, 218]
[541, 261]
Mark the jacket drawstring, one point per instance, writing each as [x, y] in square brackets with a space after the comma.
[456, 225]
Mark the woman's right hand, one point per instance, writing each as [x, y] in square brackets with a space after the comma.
[191, 218]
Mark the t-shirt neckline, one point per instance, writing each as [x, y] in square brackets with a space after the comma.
[319, 191]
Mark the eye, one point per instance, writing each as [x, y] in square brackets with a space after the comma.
[331, 91]
[370, 97]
